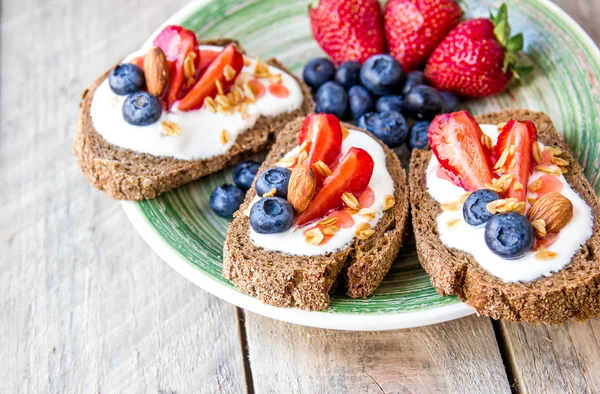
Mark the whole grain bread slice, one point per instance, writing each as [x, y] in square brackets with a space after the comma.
[286, 280]
[571, 293]
[127, 175]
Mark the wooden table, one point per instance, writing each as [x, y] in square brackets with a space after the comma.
[87, 307]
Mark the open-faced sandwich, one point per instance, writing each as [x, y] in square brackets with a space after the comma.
[504, 217]
[329, 205]
[179, 109]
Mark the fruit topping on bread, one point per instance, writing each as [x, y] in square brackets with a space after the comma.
[176, 75]
[522, 203]
[513, 155]
[181, 50]
[456, 140]
[321, 136]
[222, 70]
[322, 188]
[188, 74]
[349, 179]
[318, 181]
[497, 197]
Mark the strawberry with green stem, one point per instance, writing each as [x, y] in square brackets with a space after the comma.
[478, 58]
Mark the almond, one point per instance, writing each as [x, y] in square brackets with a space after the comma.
[156, 71]
[554, 209]
[301, 187]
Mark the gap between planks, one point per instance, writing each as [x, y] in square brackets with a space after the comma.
[507, 356]
[241, 317]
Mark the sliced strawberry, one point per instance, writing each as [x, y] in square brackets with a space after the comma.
[207, 84]
[279, 90]
[443, 174]
[258, 89]
[521, 135]
[138, 61]
[549, 184]
[177, 43]
[324, 132]
[545, 242]
[547, 158]
[455, 139]
[206, 58]
[352, 175]
[367, 198]
[344, 218]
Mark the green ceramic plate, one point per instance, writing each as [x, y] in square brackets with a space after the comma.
[181, 228]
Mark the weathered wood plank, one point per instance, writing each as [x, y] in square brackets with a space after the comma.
[459, 356]
[86, 306]
[554, 359]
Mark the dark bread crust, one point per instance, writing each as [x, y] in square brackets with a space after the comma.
[305, 282]
[127, 175]
[571, 293]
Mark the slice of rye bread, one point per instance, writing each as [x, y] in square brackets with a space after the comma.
[305, 282]
[127, 175]
[571, 293]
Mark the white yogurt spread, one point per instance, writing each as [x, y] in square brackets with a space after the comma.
[471, 239]
[200, 129]
[382, 184]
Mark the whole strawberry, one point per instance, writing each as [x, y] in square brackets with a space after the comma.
[348, 29]
[415, 27]
[477, 58]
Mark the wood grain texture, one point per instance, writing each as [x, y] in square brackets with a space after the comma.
[86, 306]
[459, 356]
[554, 359]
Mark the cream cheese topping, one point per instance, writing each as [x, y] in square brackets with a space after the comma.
[200, 136]
[293, 242]
[471, 239]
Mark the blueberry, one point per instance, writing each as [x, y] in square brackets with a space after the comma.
[318, 71]
[226, 199]
[332, 99]
[244, 173]
[389, 103]
[271, 215]
[451, 102]
[423, 103]
[382, 75]
[276, 177]
[509, 235]
[348, 74]
[126, 78]
[141, 109]
[360, 101]
[418, 135]
[413, 79]
[475, 207]
[389, 126]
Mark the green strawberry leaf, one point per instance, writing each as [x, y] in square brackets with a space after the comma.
[515, 43]
[501, 26]
[510, 60]
[521, 72]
